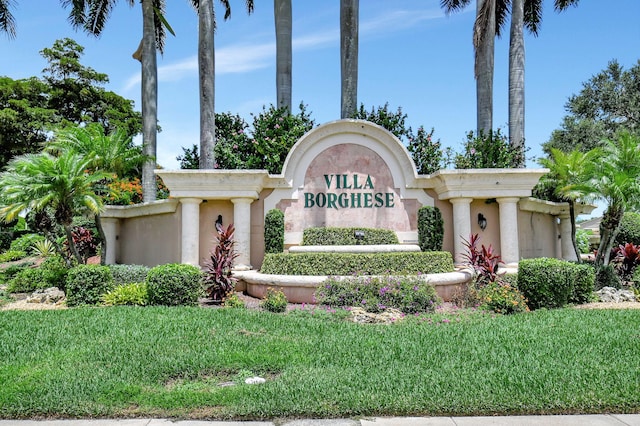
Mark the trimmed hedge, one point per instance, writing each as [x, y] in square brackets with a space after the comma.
[552, 283]
[274, 231]
[86, 284]
[406, 263]
[126, 274]
[174, 284]
[345, 236]
[430, 228]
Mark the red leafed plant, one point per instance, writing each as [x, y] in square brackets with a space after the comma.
[218, 279]
[484, 260]
[627, 256]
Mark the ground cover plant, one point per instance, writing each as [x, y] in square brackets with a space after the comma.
[170, 361]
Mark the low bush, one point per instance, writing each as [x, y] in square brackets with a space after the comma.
[502, 298]
[274, 231]
[582, 240]
[406, 263]
[25, 242]
[125, 274]
[233, 301]
[175, 285]
[274, 301]
[375, 294]
[27, 280]
[134, 294]
[552, 283]
[55, 271]
[11, 255]
[430, 228]
[86, 284]
[346, 236]
[584, 278]
[606, 276]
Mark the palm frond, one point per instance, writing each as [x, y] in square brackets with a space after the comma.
[7, 21]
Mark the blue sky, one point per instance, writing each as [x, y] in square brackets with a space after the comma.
[411, 55]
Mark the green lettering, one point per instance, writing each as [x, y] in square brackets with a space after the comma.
[345, 184]
[331, 200]
[368, 184]
[389, 197]
[327, 180]
[343, 200]
[356, 200]
[355, 182]
[308, 200]
[367, 200]
[379, 199]
[321, 199]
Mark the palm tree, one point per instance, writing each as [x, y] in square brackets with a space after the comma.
[349, 10]
[7, 23]
[566, 177]
[283, 23]
[523, 13]
[91, 15]
[206, 70]
[36, 182]
[616, 181]
[490, 17]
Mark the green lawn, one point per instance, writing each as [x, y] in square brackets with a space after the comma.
[156, 361]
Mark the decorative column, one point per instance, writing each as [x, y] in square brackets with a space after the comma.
[509, 247]
[566, 244]
[461, 226]
[190, 230]
[242, 235]
[110, 226]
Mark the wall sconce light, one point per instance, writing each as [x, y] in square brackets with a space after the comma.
[219, 224]
[482, 221]
[359, 236]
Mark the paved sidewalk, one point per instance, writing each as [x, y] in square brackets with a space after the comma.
[575, 420]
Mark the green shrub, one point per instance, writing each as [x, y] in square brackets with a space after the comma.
[345, 236]
[13, 270]
[488, 150]
[233, 301]
[502, 298]
[584, 277]
[127, 294]
[274, 231]
[430, 229]
[629, 231]
[125, 274]
[375, 294]
[55, 271]
[86, 284]
[25, 242]
[582, 239]
[43, 248]
[400, 263]
[606, 276]
[27, 280]
[11, 255]
[175, 284]
[274, 301]
[545, 282]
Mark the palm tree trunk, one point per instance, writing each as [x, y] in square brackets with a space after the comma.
[608, 231]
[516, 79]
[103, 237]
[283, 21]
[572, 218]
[349, 10]
[72, 244]
[149, 101]
[483, 40]
[206, 69]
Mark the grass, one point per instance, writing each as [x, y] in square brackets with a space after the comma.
[154, 361]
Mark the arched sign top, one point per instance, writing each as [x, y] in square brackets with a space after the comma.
[349, 131]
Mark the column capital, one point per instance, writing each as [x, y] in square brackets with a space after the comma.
[461, 200]
[507, 200]
[190, 200]
[242, 200]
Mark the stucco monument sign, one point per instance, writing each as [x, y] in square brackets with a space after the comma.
[347, 173]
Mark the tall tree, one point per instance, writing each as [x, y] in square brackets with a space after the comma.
[7, 23]
[91, 15]
[349, 11]
[524, 13]
[206, 70]
[283, 23]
